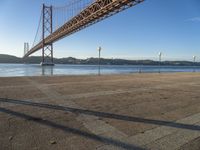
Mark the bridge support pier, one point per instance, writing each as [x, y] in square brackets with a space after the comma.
[47, 29]
[47, 55]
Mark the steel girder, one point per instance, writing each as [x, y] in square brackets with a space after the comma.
[47, 29]
[95, 12]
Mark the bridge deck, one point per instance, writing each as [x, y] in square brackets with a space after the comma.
[95, 12]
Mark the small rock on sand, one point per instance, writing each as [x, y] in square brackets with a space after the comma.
[10, 138]
[53, 142]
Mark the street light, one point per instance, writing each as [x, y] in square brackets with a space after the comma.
[194, 59]
[160, 57]
[99, 50]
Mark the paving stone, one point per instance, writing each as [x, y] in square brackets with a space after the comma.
[109, 147]
[175, 140]
[159, 132]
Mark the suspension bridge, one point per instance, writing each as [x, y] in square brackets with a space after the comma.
[56, 23]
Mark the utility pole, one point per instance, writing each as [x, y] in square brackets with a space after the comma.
[99, 63]
[160, 58]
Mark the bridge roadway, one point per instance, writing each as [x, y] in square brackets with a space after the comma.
[95, 12]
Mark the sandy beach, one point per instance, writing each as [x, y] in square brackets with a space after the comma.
[108, 112]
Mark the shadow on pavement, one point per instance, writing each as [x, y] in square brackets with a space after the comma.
[71, 130]
[104, 114]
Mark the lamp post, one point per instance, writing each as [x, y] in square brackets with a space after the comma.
[194, 59]
[99, 50]
[160, 57]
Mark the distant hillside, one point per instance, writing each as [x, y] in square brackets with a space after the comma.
[9, 59]
[93, 61]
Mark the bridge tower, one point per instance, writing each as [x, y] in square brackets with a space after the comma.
[47, 29]
[26, 49]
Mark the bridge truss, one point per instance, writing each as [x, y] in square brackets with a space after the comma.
[77, 15]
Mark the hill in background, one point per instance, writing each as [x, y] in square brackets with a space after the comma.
[9, 59]
[92, 61]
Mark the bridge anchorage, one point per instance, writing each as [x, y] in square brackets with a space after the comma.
[78, 15]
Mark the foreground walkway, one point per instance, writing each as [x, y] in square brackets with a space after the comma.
[139, 111]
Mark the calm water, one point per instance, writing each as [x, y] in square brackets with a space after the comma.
[8, 70]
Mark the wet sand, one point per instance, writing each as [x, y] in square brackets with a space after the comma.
[135, 111]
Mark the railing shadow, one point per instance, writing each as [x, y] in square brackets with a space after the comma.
[104, 114]
[71, 130]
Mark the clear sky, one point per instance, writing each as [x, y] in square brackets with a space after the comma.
[169, 26]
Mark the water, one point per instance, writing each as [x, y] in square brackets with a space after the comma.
[10, 70]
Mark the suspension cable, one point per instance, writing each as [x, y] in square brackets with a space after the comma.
[38, 28]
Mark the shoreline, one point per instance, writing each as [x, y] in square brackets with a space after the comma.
[116, 74]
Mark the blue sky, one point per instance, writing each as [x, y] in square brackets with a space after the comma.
[169, 26]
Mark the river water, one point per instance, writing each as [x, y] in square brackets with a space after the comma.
[11, 70]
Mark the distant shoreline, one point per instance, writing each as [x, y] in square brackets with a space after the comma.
[9, 59]
[137, 65]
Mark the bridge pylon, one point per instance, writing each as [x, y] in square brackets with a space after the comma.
[47, 29]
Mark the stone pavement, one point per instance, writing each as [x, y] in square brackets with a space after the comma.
[164, 134]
